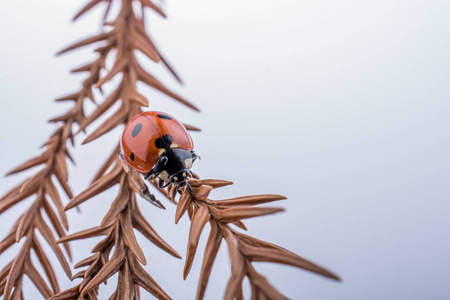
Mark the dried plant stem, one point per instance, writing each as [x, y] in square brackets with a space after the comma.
[243, 249]
[124, 36]
[127, 35]
[43, 186]
[117, 227]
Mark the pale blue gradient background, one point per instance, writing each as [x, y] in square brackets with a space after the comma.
[342, 106]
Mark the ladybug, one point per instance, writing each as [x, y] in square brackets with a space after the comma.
[155, 143]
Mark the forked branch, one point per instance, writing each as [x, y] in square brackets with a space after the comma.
[118, 227]
[119, 253]
[126, 36]
[243, 249]
[43, 187]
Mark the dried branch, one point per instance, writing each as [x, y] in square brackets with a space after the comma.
[119, 252]
[43, 187]
[243, 249]
[118, 228]
[126, 36]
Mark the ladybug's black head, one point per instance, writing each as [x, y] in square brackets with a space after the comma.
[173, 166]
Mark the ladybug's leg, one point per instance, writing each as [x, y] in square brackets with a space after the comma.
[145, 193]
[162, 184]
[149, 174]
[188, 186]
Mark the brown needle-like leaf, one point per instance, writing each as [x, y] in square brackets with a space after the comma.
[230, 215]
[96, 188]
[199, 221]
[87, 41]
[148, 3]
[154, 83]
[38, 281]
[31, 163]
[86, 8]
[46, 264]
[182, 206]
[109, 269]
[261, 288]
[212, 247]
[16, 270]
[144, 227]
[130, 238]
[46, 232]
[248, 200]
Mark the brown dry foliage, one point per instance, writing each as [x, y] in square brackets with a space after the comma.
[42, 186]
[243, 249]
[125, 35]
[117, 227]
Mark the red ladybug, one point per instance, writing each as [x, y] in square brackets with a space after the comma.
[157, 144]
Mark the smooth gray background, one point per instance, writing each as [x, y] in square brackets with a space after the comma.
[342, 106]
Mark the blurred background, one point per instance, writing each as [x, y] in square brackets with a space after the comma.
[342, 106]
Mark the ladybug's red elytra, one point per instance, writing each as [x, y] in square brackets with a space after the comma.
[157, 144]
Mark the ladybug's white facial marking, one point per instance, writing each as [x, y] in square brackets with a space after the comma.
[175, 178]
[184, 174]
[164, 175]
[174, 146]
[161, 151]
[188, 163]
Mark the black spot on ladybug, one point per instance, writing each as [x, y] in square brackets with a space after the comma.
[132, 156]
[165, 117]
[136, 130]
[164, 142]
